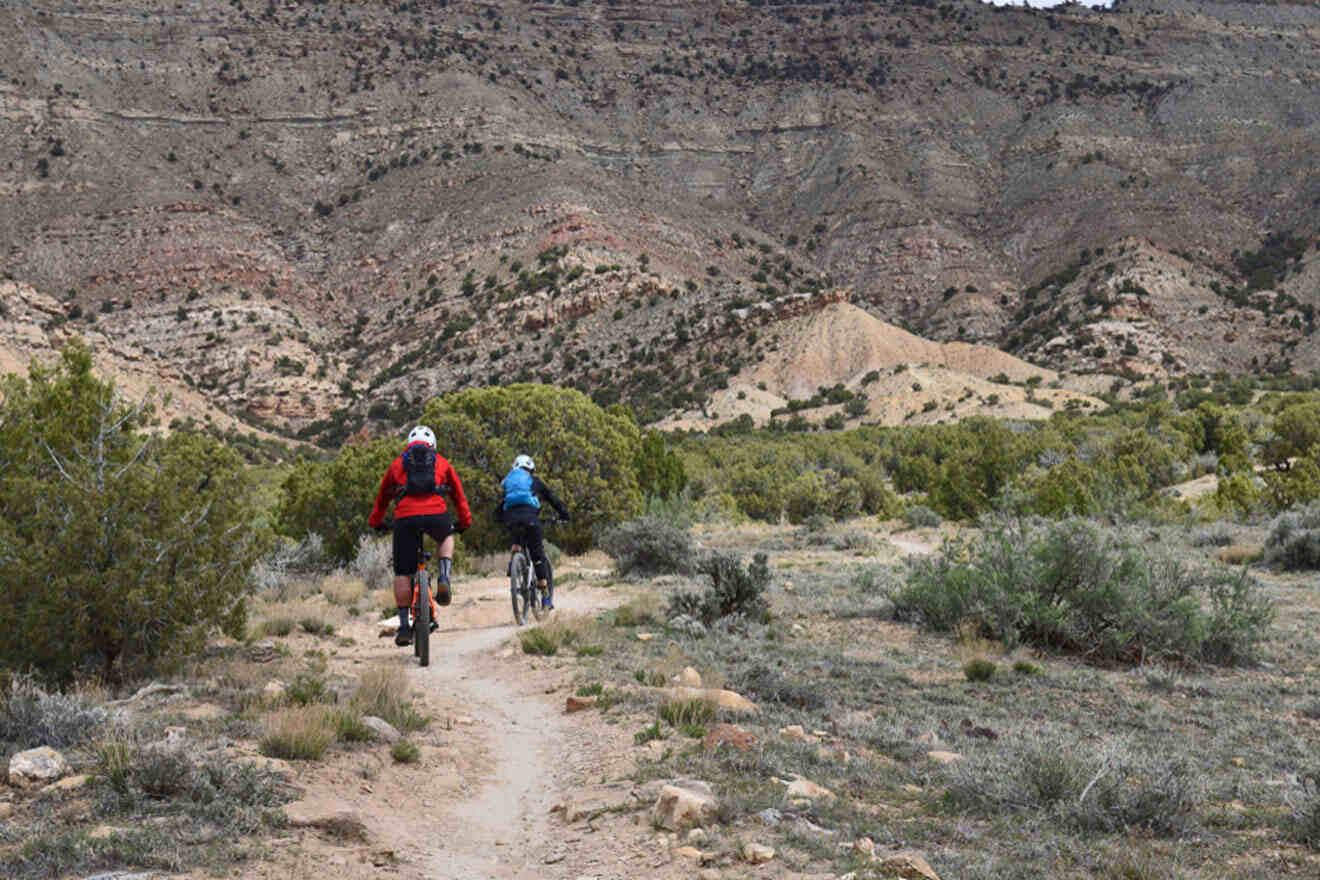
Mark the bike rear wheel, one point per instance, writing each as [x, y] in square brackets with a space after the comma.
[517, 588]
[422, 620]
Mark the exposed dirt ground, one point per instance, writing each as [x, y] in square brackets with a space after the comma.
[500, 754]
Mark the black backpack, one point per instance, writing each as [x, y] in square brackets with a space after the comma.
[419, 466]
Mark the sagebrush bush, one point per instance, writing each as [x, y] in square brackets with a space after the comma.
[1304, 810]
[649, 546]
[1217, 535]
[288, 561]
[31, 717]
[1071, 586]
[921, 516]
[733, 590]
[1107, 788]
[1294, 540]
[374, 562]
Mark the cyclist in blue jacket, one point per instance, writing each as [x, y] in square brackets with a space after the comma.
[519, 511]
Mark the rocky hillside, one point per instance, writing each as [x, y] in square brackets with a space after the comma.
[305, 215]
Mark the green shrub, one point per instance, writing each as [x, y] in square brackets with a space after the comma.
[1072, 587]
[733, 590]
[921, 516]
[979, 669]
[1304, 814]
[308, 689]
[162, 528]
[537, 640]
[680, 713]
[405, 752]
[649, 546]
[1294, 540]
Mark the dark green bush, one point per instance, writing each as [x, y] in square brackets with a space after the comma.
[733, 590]
[649, 546]
[1071, 586]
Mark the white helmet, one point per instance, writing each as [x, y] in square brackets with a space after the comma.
[524, 461]
[422, 434]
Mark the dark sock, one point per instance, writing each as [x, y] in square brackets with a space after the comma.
[403, 616]
[442, 569]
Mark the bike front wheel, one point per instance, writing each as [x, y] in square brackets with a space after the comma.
[518, 593]
[422, 620]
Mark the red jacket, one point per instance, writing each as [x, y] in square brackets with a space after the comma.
[420, 505]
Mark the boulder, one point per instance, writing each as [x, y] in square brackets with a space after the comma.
[333, 817]
[757, 853]
[684, 803]
[385, 731]
[36, 767]
[726, 700]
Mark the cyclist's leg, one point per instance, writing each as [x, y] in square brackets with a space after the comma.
[442, 531]
[405, 566]
[536, 547]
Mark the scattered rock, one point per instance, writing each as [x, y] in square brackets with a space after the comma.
[262, 652]
[697, 835]
[795, 732]
[770, 816]
[578, 704]
[332, 817]
[944, 757]
[588, 803]
[645, 637]
[274, 691]
[803, 788]
[688, 852]
[730, 735]
[757, 853]
[6, 810]
[385, 731]
[684, 803]
[908, 866]
[36, 767]
[68, 783]
[727, 700]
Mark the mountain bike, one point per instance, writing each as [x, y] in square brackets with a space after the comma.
[421, 607]
[524, 589]
[421, 611]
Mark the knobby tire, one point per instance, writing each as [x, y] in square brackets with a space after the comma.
[518, 587]
[422, 622]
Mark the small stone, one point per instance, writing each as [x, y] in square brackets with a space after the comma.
[728, 735]
[274, 690]
[908, 866]
[68, 783]
[944, 757]
[684, 803]
[697, 835]
[805, 788]
[708, 874]
[688, 852]
[645, 637]
[770, 816]
[795, 732]
[689, 677]
[578, 704]
[6, 810]
[757, 853]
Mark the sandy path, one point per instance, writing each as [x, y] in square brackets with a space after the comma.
[498, 755]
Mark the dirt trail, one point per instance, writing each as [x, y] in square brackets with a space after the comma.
[498, 755]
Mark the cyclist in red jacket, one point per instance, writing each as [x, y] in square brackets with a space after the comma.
[418, 481]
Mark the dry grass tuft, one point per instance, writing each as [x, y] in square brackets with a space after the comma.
[299, 733]
[342, 589]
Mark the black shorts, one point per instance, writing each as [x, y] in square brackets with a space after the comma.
[406, 533]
